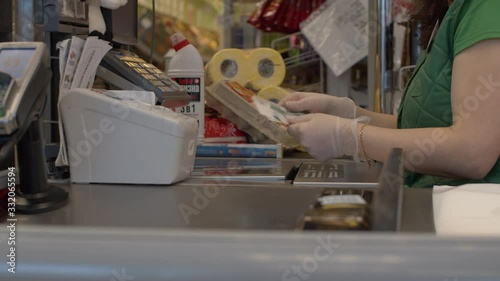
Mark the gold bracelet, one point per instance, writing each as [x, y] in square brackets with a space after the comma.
[368, 161]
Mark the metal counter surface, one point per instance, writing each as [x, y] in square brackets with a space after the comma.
[208, 203]
[243, 206]
[239, 206]
[236, 231]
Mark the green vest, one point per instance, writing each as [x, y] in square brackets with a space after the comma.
[427, 98]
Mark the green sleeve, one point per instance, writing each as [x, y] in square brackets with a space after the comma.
[479, 20]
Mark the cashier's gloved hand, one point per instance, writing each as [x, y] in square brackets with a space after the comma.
[326, 136]
[319, 103]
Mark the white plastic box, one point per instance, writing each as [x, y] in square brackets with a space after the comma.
[126, 141]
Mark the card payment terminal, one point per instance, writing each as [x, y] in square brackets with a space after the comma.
[20, 82]
[24, 79]
[119, 65]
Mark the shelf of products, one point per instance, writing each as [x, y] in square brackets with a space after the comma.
[204, 39]
[303, 65]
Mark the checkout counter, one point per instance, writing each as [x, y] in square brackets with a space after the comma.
[234, 226]
[246, 230]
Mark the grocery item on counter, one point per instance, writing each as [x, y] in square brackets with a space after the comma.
[186, 68]
[221, 130]
[239, 150]
[264, 121]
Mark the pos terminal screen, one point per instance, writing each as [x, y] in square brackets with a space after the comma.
[15, 61]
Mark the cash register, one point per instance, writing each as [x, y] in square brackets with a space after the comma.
[24, 79]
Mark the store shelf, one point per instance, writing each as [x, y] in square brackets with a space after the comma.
[300, 60]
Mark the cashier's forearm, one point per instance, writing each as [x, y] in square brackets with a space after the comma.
[378, 119]
[434, 151]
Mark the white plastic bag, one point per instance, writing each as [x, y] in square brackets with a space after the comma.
[338, 31]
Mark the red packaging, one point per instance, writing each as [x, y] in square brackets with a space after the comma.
[304, 10]
[297, 15]
[220, 130]
[279, 22]
[255, 19]
[308, 9]
[317, 4]
[275, 17]
[282, 16]
[314, 4]
[288, 24]
[271, 11]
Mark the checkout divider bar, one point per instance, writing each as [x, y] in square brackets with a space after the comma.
[388, 199]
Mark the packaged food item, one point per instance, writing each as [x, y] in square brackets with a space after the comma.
[221, 130]
[274, 93]
[264, 121]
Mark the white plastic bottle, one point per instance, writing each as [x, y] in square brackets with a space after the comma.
[186, 68]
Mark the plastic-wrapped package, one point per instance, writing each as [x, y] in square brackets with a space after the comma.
[228, 64]
[273, 93]
[221, 130]
[297, 19]
[267, 68]
[264, 121]
[256, 69]
[288, 23]
[282, 16]
[270, 14]
[338, 31]
[255, 19]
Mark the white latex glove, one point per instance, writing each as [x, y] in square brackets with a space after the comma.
[326, 136]
[320, 103]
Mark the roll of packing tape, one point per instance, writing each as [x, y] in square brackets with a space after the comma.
[273, 93]
[228, 64]
[267, 67]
